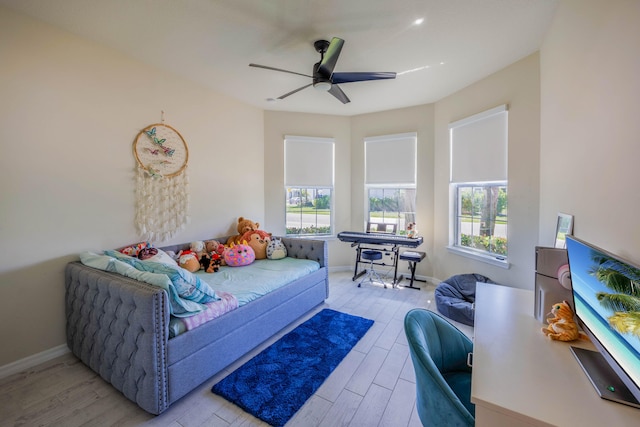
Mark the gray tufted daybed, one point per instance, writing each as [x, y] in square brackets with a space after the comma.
[119, 327]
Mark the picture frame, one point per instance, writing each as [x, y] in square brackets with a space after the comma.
[564, 226]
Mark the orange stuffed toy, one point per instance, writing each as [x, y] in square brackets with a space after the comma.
[243, 226]
[188, 260]
[562, 327]
[258, 240]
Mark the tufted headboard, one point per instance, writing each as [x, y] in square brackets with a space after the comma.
[297, 247]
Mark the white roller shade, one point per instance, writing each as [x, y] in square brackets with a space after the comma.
[308, 162]
[479, 147]
[391, 159]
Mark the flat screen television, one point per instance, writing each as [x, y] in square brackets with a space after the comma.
[606, 298]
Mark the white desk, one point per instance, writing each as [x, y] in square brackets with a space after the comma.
[521, 378]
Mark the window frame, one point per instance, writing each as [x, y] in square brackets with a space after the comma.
[484, 135]
[456, 245]
[396, 178]
[302, 180]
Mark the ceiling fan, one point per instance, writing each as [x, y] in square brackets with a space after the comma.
[323, 76]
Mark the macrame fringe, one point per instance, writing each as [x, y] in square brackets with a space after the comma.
[162, 205]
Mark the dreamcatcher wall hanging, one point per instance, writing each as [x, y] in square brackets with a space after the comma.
[162, 185]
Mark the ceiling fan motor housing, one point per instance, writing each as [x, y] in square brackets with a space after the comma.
[320, 82]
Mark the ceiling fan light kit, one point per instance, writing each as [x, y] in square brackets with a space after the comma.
[322, 86]
[323, 78]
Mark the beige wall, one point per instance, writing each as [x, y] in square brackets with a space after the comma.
[69, 112]
[590, 136]
[518, 86]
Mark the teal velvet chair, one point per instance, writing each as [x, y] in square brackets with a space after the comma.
[443, 379]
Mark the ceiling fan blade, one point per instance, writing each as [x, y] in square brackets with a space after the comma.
[294, 91]
[338, 78]
[338, 93]
[278, 69]
[330, 57]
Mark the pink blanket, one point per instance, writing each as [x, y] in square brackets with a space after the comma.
[226, 303]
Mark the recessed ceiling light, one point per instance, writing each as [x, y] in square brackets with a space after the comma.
[418, 21]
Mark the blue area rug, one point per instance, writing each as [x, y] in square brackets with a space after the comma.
[277, 382]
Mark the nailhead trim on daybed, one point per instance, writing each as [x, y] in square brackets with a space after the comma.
[121, 345]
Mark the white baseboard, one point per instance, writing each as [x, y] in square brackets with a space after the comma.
[33, 360]
[340, 268]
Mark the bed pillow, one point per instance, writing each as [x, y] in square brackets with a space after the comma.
[162, 257]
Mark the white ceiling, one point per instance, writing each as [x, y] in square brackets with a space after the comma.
[213, 41]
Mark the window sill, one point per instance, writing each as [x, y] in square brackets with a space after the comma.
[496, 260]
[310, 236]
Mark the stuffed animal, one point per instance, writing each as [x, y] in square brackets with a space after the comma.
[412, 232]
[147, 253]
[188, 260]
[198, 247]
[215, 263]
[243, 226]
[562, 327]
[276, 249]
[134, 249]
[213, 246]
[239, 255]
[211, 263]
[258, 240]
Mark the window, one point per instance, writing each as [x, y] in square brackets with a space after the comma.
[390, 179]
[309, 164]
[481, 217]
[478, 183]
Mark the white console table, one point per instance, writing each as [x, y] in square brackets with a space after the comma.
[521, 378]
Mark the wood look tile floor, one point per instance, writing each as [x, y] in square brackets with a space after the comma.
[373, 386]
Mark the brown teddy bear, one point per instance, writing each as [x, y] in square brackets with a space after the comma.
[244, 225]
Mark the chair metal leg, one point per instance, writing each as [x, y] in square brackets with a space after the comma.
[371, 273]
